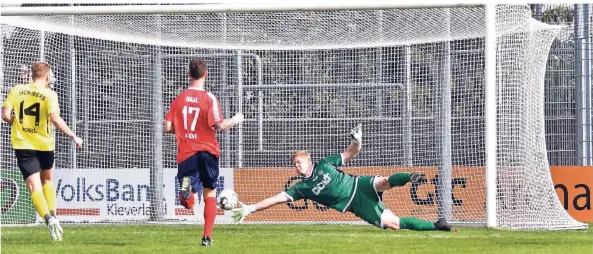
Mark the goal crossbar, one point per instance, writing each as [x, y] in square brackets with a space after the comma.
[214, 8]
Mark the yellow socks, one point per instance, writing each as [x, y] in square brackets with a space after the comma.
[40, 204]
[49, 191]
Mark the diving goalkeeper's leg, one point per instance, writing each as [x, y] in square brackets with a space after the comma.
[398, 179]
[389, 220]
[367, 205]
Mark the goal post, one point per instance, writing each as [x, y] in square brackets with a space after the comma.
[491, 113]
[455, 91]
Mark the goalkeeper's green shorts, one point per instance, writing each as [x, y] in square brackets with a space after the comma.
[367, 203]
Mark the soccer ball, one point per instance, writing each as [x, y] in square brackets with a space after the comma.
[227, 199]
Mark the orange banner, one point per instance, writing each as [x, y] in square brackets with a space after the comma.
[253, 185]
[573, 185]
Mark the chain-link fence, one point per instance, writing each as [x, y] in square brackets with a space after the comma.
[568, 84]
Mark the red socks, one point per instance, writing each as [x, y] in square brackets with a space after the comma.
[209, 215]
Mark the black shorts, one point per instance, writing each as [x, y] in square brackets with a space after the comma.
[32, 161]
[200, 167]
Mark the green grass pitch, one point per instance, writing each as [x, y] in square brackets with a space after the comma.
[290, 239]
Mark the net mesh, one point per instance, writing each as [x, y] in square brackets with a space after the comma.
[413, 77]
[282, 30]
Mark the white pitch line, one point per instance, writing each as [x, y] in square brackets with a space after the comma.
[394, 235]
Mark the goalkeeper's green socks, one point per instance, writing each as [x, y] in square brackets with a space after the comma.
[40, 204]
[49, 191]
[399, 179]
[415, 224]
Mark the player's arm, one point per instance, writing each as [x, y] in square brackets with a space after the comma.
[216, 119]
[355, 145]
[229, 123]
[269, 202]
[169, 127]
[7, 115]
[56, 119]
[7, 108]
[245, 210]
[289, 195]
[168, 124]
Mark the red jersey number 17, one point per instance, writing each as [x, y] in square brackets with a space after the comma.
[188, 111]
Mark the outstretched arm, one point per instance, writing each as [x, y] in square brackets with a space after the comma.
[269, 202]
[245, 210]
[355, 145]
[229, 123]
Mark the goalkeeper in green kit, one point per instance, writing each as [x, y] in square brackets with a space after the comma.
[362, 195]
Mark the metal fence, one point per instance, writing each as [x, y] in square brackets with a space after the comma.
[568, 84]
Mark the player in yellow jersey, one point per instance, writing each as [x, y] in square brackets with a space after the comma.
[34, 106]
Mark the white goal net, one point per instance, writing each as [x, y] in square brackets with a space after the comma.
[415, 79]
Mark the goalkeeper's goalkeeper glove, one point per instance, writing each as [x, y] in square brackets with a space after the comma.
[242, 212]
[356, 133]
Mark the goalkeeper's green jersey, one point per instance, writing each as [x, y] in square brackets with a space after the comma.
[326, 185]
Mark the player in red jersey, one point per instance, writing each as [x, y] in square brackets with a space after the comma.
[194, 116]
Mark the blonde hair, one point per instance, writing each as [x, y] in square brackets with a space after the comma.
[39, 70]
[299, 153]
